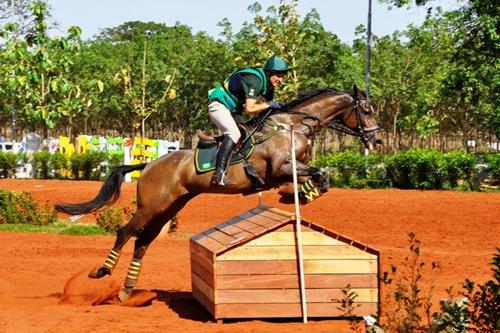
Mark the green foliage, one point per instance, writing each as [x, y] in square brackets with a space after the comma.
[351, 169]
[60, 227]
[484, 301]
[87, 165]
[21, 208]
[452, 318]
[41, 163]
[112, 219]
[348, 307]
[8, 163]
[414, 168]
[58, 163]
[493, 161]
[457, 168]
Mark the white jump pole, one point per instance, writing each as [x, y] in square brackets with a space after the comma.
[298, 234]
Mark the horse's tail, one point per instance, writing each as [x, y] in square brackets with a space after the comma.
[108, 194]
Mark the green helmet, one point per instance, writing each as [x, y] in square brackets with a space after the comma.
[276, 64]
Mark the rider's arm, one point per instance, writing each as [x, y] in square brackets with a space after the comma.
[254, 106]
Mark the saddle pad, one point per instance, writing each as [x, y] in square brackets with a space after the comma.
[206, 158]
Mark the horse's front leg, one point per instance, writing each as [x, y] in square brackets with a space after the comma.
[313, 183]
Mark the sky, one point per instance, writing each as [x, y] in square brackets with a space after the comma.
[337, 16]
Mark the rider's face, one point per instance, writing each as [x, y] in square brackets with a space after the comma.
[276, 78]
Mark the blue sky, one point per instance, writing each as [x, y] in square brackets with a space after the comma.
[338, 16]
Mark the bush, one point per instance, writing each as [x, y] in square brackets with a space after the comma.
[41, 162]
[457, 168]
[351, 169]
[415, 168]
[112, 219]
[8, 163]
[58, 163]
[87, 165]
[21, 208]
[493, 161]
[484, 301]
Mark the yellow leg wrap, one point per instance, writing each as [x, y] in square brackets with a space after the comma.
[112, 259]
[312, 194]
[134, 270]
[307, 186]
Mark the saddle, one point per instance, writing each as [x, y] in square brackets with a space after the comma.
[206, 154]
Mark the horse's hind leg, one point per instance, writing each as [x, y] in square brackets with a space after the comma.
[147, 235]
[122, 236]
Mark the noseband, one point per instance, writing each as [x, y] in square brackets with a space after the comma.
[364, 133]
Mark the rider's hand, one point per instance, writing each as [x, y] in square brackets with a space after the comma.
[276, 105]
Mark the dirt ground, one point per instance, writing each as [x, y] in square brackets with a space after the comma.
[460, 231]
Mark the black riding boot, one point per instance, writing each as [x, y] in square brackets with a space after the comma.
[223, 158]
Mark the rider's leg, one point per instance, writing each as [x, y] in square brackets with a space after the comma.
[223, 158]
[224, 121]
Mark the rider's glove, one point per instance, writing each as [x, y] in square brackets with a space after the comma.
[276, 105]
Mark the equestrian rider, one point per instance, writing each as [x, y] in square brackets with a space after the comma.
[249, 90]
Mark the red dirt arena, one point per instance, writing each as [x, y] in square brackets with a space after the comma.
[460, 231]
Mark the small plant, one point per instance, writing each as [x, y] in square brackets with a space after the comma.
[484, 301]
[58, 163]
[41, 163]
[8, 163]
[404, 295]
[453, 316]
[21, 208]
[112, 219]
[348, 307]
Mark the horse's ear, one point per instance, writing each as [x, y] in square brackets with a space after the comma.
[355, 90]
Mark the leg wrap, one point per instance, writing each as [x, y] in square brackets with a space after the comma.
[112, 259]
[133, 273]
[310, 191]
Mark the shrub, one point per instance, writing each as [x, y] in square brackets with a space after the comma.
[87, 165]
[493, 161]
[8, 163]
[351, 169]
[404, 294]
[484, 301]
[414, 168]
[40, 160]
[58, 162]
[21, 208]
[112, 219]
[457, 168]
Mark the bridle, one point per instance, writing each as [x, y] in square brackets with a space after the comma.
[366, 134]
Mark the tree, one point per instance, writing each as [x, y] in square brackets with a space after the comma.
[37, 70]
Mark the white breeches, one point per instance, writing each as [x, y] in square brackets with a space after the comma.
[222, 118]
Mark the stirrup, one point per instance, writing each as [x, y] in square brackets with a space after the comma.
[219, 180]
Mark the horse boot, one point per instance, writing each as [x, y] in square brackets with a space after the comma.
[223, 158]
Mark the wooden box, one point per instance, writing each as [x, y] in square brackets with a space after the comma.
[247, 267]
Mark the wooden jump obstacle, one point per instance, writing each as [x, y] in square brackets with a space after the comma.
[247, 268]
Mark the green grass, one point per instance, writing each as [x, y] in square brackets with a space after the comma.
[63, 228]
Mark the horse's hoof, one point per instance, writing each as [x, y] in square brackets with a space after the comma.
[99, 272]
[124, 294]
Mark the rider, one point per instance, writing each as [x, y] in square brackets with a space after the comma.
[249, 90]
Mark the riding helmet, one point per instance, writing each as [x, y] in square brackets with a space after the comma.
[276, 64]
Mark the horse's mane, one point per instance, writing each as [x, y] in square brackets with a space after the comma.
[303, 96]
[310, 93]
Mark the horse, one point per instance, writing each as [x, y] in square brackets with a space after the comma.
[168, 183]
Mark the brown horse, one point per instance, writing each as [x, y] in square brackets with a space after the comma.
[168, 183]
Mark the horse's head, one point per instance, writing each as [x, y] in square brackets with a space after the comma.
[345, 112]
[359, 120]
